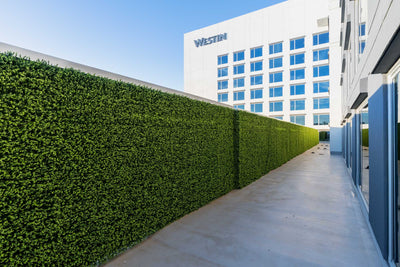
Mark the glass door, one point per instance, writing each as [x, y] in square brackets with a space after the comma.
[364, 142]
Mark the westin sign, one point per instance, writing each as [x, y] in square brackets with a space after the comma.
[211, 40]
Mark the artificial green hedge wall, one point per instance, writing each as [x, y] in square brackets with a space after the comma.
[91, 166]
[365, 138]
[265, 144]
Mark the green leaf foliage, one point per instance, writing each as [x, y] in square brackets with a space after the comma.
[91, 166]
[265, 144]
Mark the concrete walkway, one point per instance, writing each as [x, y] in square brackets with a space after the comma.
[304, 213]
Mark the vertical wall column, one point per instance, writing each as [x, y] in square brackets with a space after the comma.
[378, 162]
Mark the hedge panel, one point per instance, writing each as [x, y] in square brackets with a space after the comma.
[365, 138]
[265, 144]
[90, 166]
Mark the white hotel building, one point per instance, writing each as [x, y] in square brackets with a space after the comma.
[283, 61]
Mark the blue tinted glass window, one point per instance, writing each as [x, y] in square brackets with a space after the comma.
[297, 105]
[238, 107]
[278, 117]
[321, 103]
[238, 56]
[275, 92]
[362, 30]
[275, 48]
[321, 119]
[364, 117]
[222, 59]
[321, 38]
[297, 74]
[297, 59]
[275, 63]
[238, 69]
[222, 72]
[315, 39]
[222, 85]
[275, 106]
[256, 94]
[223, 97]
[275, 77]
[362, 47]
[256, 80]
[256, 66]
[257, 108]
[298, 89]
[238, 82]
[320, 71]
[324, 70]
[256, 52]
[299, 119]
[321, 87]
[297, 43]
[321, 55]
[238, 96]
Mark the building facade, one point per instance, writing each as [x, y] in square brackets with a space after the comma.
[370, 44]
[282, 61]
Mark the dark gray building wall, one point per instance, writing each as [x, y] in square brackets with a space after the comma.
[378, 168]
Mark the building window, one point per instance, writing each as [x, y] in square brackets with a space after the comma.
[321, 38]
[239, 106]
[299, 119]
[238, 56]
[297, 74]
[238, 69]
[275, 48]
[321, 87]
[321, 103]
[298, 104]
[275, 92]
[256, 80]
[321, 119]
[298, 89]
[256, 94]
[364, 117]
[257, 108]
[297, 43]
[223, 97]
[222, 59]
[238, 96]
[275, 77]
[320, 71]
[256, 66]
[322, 54]
[275, 106]
[222, 72]
[297, 59]
[362, 47]
[361, 31]
[256, 52]
[275, 62]
[239, 82]
[222, 85]
[277, 117]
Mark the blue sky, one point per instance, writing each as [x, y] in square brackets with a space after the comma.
[140, 39]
